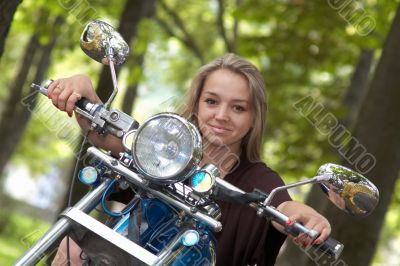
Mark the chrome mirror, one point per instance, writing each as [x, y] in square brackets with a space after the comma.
[348, 190]
[99, 40]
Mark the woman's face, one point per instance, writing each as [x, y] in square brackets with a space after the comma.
[225, 112]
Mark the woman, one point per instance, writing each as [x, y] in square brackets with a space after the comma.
[227, 102]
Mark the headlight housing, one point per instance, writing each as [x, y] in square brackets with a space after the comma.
[203, 182]
[167, 148]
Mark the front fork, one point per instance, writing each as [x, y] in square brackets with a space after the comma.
[61, 228]
[78, 215]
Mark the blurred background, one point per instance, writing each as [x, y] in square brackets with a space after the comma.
[332, 70]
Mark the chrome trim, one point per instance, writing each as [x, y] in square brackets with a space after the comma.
[126, 141]
[131, 176]
[54, 235]
[197, 150]
[111, 236]
[189, 194]
[98, 38]
[118, 167]
[349, 190]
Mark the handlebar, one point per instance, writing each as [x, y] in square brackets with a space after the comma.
[102, 120]
[330, 246]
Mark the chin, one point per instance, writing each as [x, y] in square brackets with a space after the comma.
[214, 141]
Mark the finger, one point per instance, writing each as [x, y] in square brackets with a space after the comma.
[69, 107]
[51, 88]
[296, 241]
[324, 230]
[295, 217]
[55, 94]
[323, 236]
[302, 240]
[63, 98]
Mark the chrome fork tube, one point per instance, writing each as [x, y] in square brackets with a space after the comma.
[54, 235]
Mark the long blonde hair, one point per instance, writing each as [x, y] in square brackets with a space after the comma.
[252, 142]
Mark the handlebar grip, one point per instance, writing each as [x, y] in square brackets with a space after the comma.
[82, 104]
[330, 247]
[297, 229]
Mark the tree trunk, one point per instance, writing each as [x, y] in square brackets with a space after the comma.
[378, 129]
[18, 108]
[133, 12]
[9, 114]
[358, 86]
[292, 254]
[230, 43]
[23, 116]
[7, 11]
[130, 97]
[131, 90]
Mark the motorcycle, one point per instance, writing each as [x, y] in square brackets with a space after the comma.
[173, 213]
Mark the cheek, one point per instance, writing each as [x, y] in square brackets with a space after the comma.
[203, 114]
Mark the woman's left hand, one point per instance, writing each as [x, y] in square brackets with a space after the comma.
[310, 218]
[312, 221]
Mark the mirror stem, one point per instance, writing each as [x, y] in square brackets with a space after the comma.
[316, 179]
[113, 76]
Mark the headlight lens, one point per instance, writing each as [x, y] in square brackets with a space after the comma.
[190, 238]
[88, 175]
[167, 148]
[203, 181]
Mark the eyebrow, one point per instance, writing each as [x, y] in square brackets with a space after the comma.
[234, 100]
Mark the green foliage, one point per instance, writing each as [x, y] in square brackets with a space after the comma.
[50, 139]
[303, 48]
[19, 233]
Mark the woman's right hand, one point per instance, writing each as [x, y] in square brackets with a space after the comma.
[65, 92]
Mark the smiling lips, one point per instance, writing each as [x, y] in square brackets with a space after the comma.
[219, 129]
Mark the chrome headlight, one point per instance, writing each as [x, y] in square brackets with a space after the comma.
[167, 148]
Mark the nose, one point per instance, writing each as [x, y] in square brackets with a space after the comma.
[222, 113]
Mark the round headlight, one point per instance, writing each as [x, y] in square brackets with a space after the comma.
[167, 148]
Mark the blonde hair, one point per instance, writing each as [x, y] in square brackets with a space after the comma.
[252, 142]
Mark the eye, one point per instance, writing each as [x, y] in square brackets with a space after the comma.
[210, 101]
[238, 108]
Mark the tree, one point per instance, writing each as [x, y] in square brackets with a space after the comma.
[377, 128]
[352, 101]
[15, 117]
[132, 13]
[230, 43]
[7, 11]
